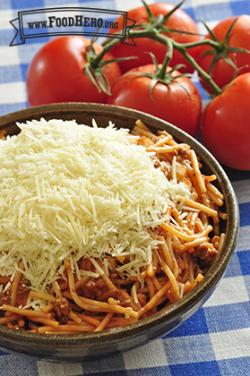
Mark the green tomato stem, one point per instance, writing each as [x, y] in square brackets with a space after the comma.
[167, 58]
[202, 72]
[112, 42]
[201, 42]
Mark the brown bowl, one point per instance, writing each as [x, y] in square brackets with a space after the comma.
[86, 346]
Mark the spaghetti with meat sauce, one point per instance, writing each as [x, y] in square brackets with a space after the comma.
[104, 296]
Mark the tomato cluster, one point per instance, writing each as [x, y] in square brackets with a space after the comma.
[62, 71]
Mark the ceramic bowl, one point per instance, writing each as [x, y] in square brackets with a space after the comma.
[86, 346]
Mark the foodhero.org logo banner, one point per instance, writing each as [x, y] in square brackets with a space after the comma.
[69, 21]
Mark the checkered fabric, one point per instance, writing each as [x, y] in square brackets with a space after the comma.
[215, 340]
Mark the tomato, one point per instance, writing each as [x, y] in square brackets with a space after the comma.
[56, 73]
[179, 102]
[226, 124]
[179, 20]
[222, 72]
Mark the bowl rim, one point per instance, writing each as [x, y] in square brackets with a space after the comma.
[189, 300]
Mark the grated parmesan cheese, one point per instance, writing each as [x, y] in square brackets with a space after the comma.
[72, 191]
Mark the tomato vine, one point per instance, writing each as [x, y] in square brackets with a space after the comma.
[155, 30]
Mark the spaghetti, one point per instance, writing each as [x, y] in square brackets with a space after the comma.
[96, 294]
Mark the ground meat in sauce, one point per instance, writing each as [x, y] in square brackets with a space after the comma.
[205, 256]
[62, 309]
[94, 289]
[5, 297]
[22, 294]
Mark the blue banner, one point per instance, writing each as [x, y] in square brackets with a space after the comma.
[69, 21]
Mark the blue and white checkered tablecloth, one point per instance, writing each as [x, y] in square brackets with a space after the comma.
[215, 340]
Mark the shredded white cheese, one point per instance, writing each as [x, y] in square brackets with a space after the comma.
[69, 190]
